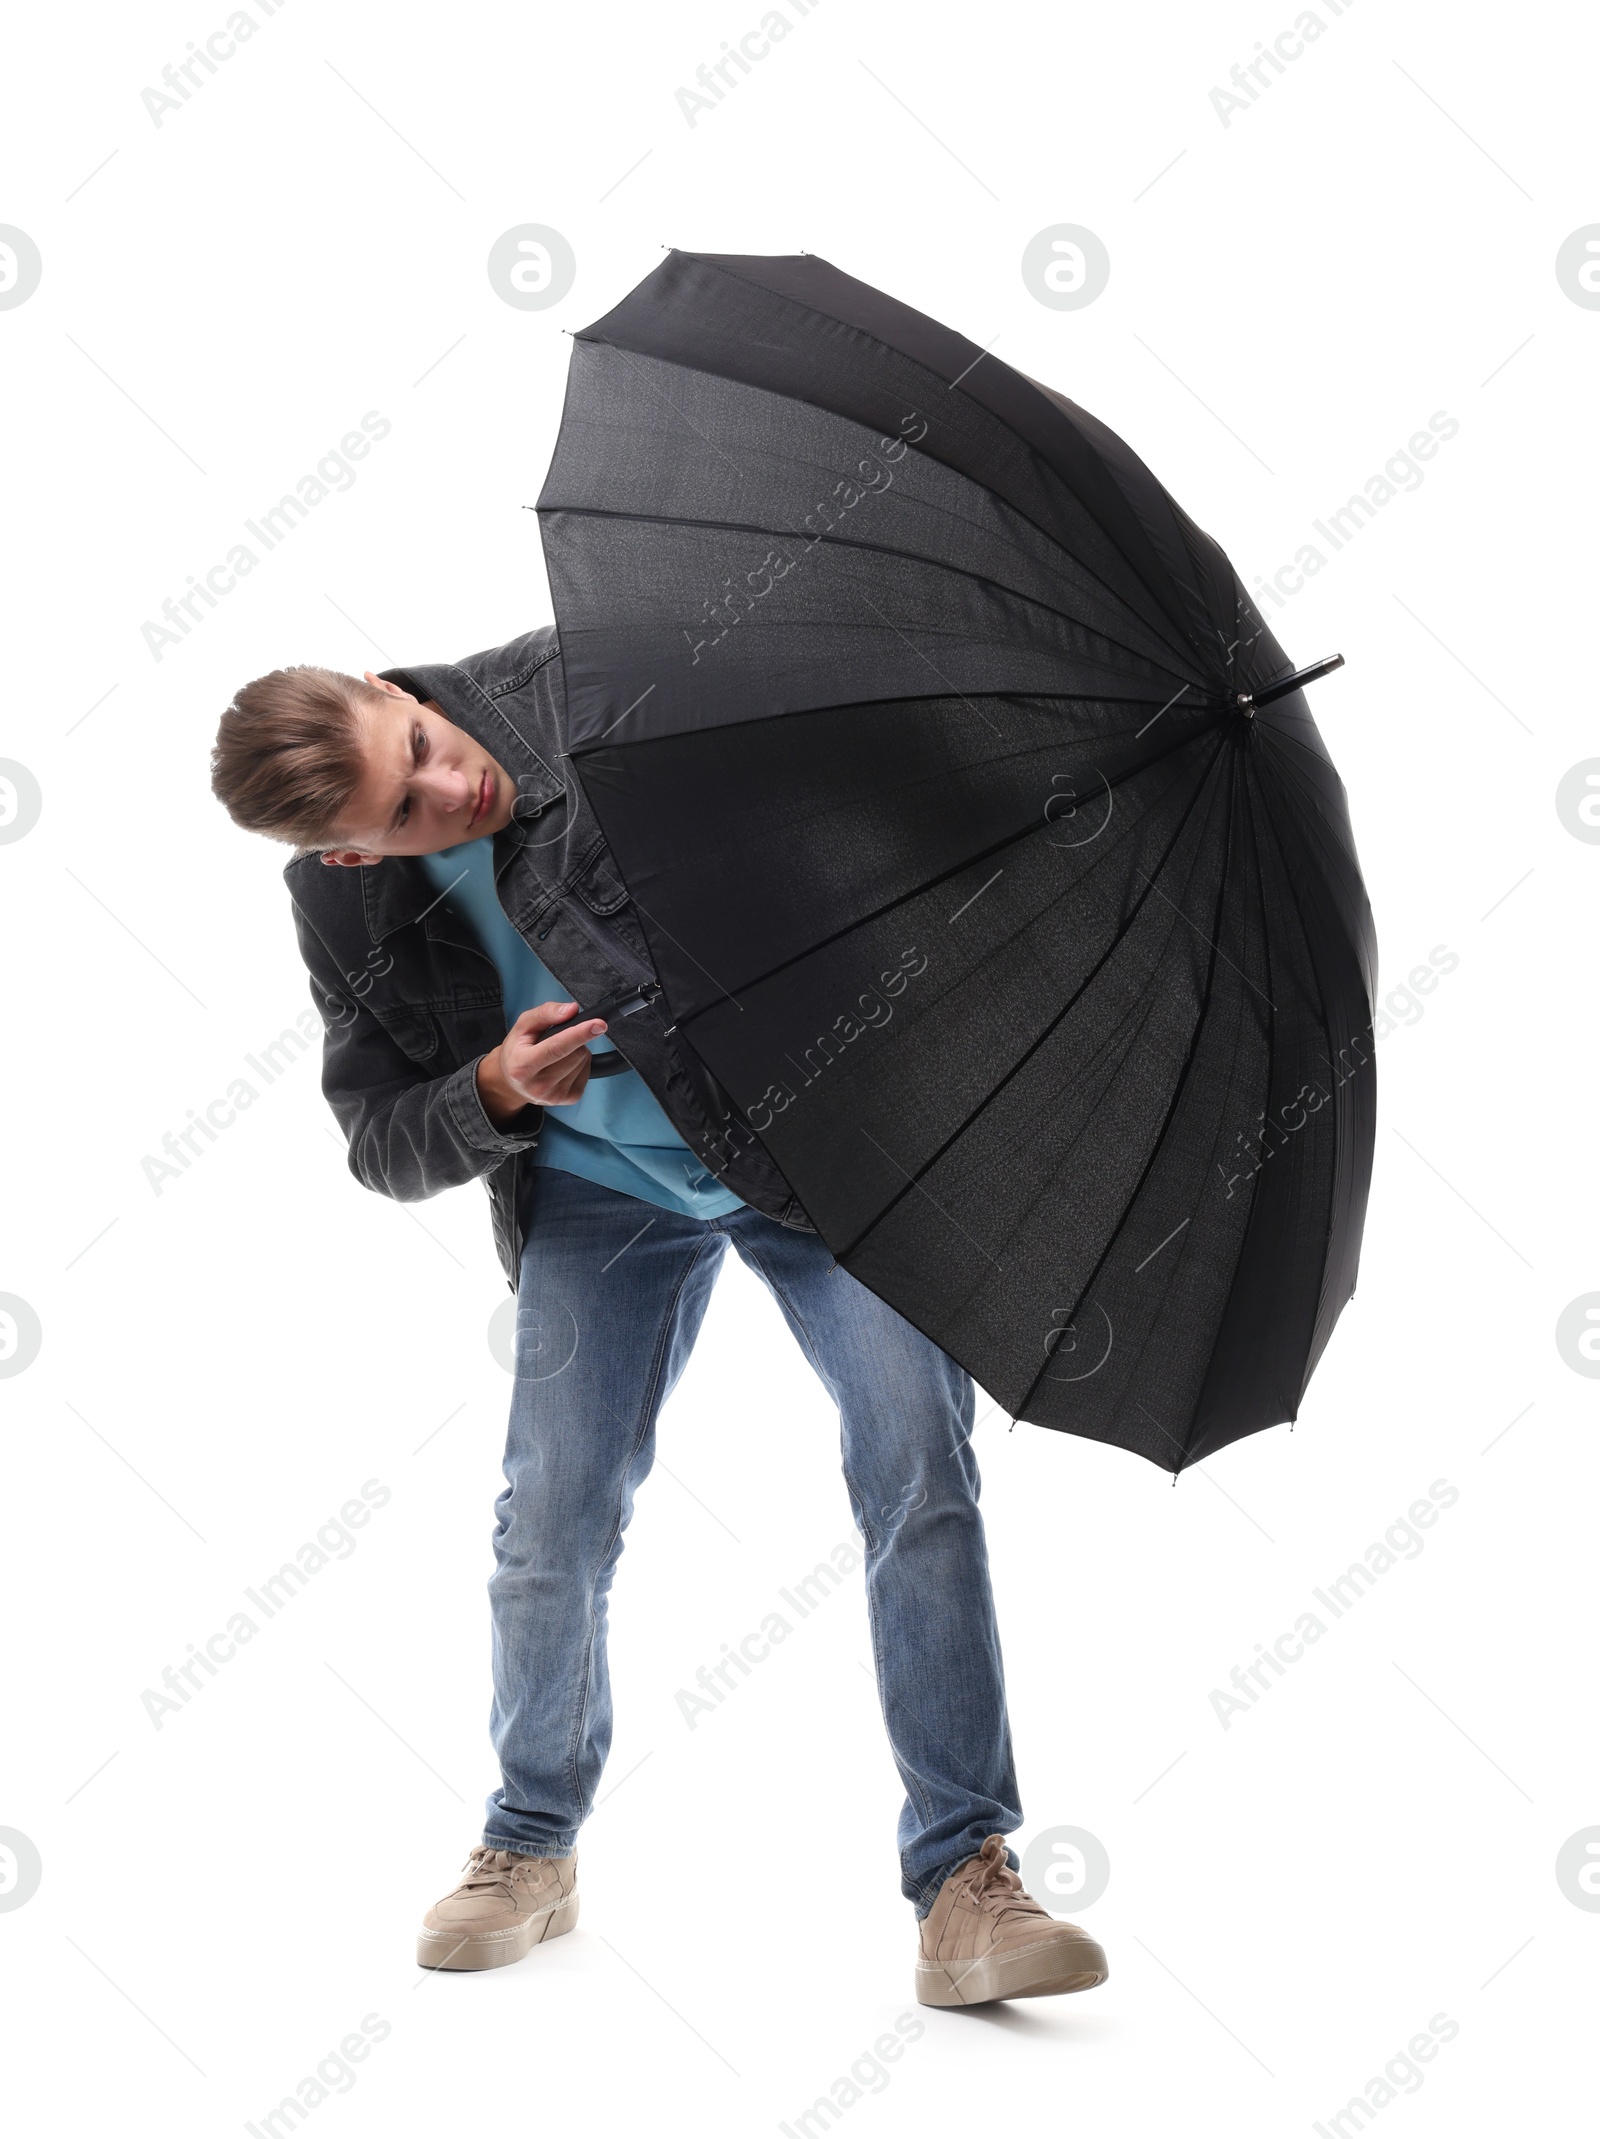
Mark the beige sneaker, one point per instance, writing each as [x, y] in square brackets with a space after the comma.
[985, 1938]
[504, 1907]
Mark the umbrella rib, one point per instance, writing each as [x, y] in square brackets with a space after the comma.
[1179, 1087]
[1297, 782]
[933, 1158]
[1266, 940]
[1272, 1059]
[875, 549]
[928, 661]
[1067, 1158]
[1282, 731]
[628, 355]
[1327, 1034]
[1240, 777]
[1051, 477]
[908, 698]
[1244, 773]
[1221, 953]
[968, 861]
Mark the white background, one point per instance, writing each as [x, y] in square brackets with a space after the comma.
[1291, 296]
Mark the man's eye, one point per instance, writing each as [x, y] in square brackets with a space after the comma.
[419, 750]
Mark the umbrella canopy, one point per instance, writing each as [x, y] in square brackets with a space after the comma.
[979, 861]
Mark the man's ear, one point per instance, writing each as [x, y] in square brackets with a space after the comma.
[381, 683]
[350, 858]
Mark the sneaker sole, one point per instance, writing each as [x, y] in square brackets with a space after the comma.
[1045, 1972]
[495, 1949]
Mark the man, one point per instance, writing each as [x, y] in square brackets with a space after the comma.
[491, 1012]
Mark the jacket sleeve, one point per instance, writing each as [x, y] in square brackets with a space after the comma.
[409, 1135]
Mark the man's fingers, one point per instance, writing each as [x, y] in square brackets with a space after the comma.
[554, 1071]
[565, 1090]
[535, 1053]
[545, 1054]
[537, 1020]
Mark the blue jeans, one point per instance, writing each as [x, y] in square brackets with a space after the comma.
[612, 1295]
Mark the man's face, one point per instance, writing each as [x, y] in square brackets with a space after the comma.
[425, 784]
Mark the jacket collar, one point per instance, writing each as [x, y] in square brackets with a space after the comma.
[399, 890]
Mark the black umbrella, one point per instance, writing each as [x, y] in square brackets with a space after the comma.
[987, 851]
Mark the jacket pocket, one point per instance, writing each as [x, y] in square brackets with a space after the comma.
[599, 886]
[473, 1028]
[600, 905]
[413, 1031]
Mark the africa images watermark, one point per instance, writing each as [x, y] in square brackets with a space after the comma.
[738, 1131]
[180, 76]
[333, 1541]
[871, 1011]
[183, 1146]
[1399, 1007]
[1256, 75]
[335, 2074]
[333, 472]
[1401, 1541]
[773, 27]
[1403, 2074]
[874, 472]
[716, 1681]
[868, 2074]
[1400, 472]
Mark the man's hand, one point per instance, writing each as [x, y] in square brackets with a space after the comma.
[527, 1069]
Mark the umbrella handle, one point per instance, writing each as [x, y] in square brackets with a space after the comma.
[627, 1002]
[1250, 702]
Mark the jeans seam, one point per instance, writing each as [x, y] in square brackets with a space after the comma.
[645, 1420]
[909, 1774]
[914, 1787]
[776, 1289]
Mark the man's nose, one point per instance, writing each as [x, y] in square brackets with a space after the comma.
[451, 788]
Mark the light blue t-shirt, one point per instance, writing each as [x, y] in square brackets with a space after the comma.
[617, 1134]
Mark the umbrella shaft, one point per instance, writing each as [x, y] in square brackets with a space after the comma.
[1249, 700]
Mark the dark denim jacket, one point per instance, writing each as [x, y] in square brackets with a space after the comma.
[410, 1000]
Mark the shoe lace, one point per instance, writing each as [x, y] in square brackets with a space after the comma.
[993, 1886]
[486, 1868]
